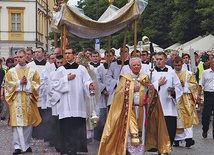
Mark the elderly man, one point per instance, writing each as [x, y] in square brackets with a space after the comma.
[173, 54]
[124, 131]
[21, 92]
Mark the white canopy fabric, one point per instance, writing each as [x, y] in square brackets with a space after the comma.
[173, 47]
[178, 46]
[189, 43]
[202, 45]
[113, 20]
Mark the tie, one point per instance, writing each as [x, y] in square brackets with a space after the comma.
[188, 67]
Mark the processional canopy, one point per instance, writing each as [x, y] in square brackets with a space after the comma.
[78, 25]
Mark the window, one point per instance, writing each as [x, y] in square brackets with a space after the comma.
[16, 22]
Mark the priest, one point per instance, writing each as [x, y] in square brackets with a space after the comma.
[187, 115]
[125, 128]
[21, 92]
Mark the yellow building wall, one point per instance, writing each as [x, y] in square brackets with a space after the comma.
[13, 35]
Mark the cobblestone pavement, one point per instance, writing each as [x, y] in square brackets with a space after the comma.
[202, 146]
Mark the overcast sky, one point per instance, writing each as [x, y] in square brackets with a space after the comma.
[73, 2]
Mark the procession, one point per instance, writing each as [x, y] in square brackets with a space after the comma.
[134, 100]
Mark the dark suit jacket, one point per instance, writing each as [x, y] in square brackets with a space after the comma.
[1, 75]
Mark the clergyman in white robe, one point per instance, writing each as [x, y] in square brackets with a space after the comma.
[72, 106]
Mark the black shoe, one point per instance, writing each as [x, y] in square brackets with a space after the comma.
[189, 142]
[3, 118]
[71, 153]
[152, 150]
[57, 148]
[204, 134]
[17, 151]
[127, 152]
[176, 143]
[29, 150]
[51, 144]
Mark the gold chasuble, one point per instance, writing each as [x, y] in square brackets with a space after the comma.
[187, 114]
[157, 137]
[122, 121]
[22, 105]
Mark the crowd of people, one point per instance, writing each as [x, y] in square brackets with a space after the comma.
[144, 102]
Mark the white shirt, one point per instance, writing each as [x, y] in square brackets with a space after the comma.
[207, 80]
[185, 67]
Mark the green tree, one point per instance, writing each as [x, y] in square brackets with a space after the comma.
[185, 21]
[165, 22]
[205, 9]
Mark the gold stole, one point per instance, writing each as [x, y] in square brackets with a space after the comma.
[136, 124]
[189, 117]
[117, 126]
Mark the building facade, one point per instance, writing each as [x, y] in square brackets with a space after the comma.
[24, 23]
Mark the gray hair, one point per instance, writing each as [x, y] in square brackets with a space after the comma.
[134, 58]
[174, 51]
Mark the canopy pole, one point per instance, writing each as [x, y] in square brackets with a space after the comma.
[64, 38]
[124, 47]
[135, 37]
[55, 40]
[63, 41]
[61, 38]
[109, 41]
[109, 48]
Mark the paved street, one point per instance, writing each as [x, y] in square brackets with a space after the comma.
[202, 146]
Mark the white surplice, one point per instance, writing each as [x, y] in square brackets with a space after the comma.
[73, 92]
[168, 104]
[101, 76]
[112, 80]
[39, 69]
[44, 84]
[53, 97]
